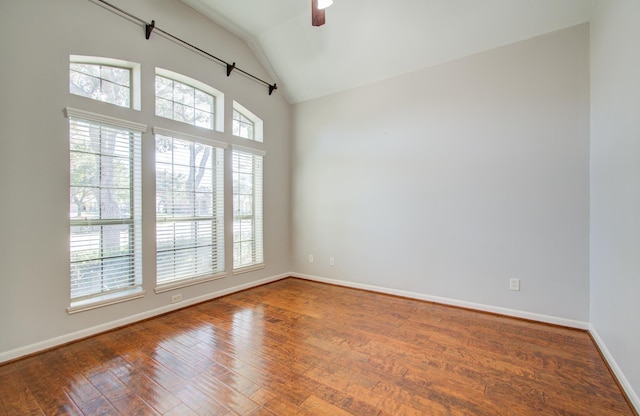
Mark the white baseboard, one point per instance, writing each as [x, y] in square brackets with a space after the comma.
[452, 302]
[622, 379]
[87, 332]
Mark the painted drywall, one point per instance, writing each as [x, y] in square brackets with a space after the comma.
[38, 37]
[615, 184]
[451, 180]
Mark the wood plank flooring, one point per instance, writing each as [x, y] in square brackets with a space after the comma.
[295, 347]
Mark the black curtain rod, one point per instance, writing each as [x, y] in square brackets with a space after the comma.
[150, 27]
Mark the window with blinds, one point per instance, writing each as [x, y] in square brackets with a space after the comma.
[247, 167]
[105, 206]
[189, 208]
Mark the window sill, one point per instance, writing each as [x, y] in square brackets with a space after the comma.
[187, 282]
[250, 268]
[105, 300]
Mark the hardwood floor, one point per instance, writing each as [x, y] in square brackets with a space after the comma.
[295, 347]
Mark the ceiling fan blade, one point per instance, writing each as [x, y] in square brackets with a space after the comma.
[317, 15]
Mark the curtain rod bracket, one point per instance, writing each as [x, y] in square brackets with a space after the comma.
[272, 88]
[230, 67]
[149, 28]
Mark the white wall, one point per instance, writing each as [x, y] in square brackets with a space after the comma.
[615, 185]
[37, 38]
[451, 180]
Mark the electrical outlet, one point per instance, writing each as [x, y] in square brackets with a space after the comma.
[332, 261]
[176, 298]
[310, 258]
[514, 284]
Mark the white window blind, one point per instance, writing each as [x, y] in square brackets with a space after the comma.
[247, 208]
[189, 209]
[105, 206]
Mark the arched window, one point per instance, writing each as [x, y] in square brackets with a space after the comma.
[187, 100]
[246, 124]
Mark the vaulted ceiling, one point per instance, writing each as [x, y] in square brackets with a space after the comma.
[365, 41]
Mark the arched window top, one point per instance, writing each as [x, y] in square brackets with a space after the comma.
[189, 101]
[246, 124]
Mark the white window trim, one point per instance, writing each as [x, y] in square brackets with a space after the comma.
[244, 149]
[136, 100]
[248, 269]
[218, 123]
[258, 125]
[190, 137]
[125, 294]
[166, 287]
[101, 118]
[106, 300]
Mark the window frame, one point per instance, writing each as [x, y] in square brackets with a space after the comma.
[257, 215]
[134, 70]
[241, 121]
[218, 98]
[216, 217]
[258, 125]
[225, 234]
[135, 290]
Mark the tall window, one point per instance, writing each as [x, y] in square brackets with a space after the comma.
[189, 208]
[182, 102]
[104, 206]
[247, 208]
